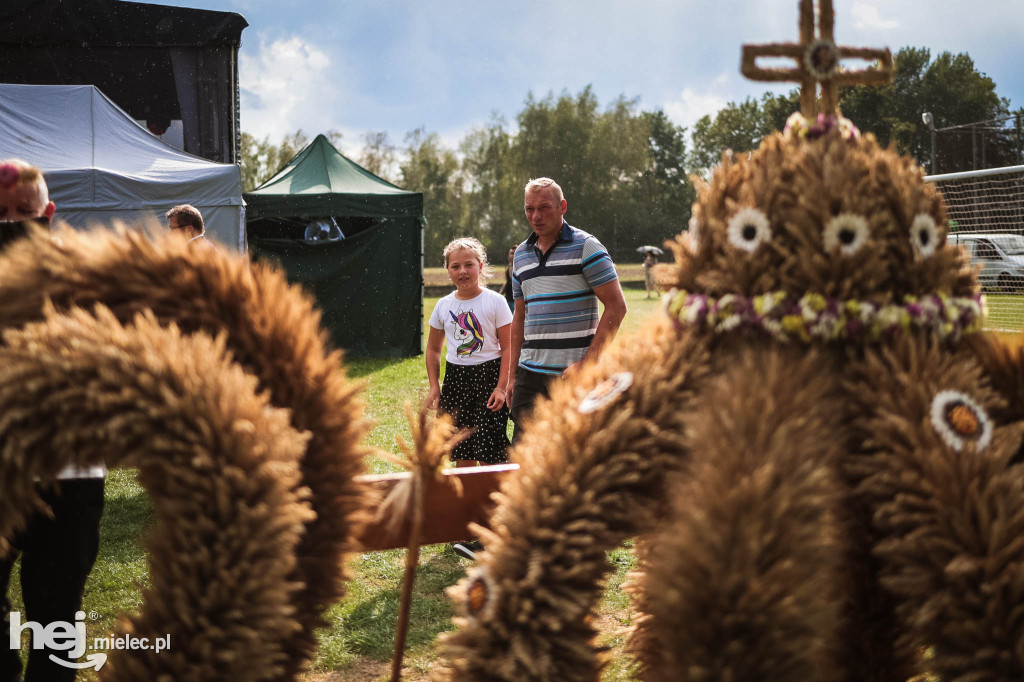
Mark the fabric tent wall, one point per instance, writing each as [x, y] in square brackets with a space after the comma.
[369, 286]
[222, 222]
[101, 166]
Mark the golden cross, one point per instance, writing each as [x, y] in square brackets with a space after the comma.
[818, 61]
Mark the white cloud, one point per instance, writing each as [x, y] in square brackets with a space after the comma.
[690, 105]
[284, 87]
[866, 16]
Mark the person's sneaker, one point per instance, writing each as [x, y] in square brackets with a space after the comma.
[468, 549]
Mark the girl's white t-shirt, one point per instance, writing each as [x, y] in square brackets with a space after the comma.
[470, 326]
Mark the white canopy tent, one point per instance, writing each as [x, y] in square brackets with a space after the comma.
[102, 166]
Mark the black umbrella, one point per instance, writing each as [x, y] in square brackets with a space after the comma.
[649, 249]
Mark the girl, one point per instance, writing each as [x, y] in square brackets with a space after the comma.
[477, 325]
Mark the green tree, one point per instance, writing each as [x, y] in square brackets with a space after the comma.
[494, 199]
[617, 159]
[597, 157]
[378, 155]
[950, 87]
[663, 192]
[434, 170]
[776, 109]
[261, 160]
[554, 136]
[740, 127]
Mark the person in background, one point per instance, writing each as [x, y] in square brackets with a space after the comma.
[188, 220]
[24, 199]
[650, 260]
[560, 273]
[57, 550]
[506, 288]
[476, 324]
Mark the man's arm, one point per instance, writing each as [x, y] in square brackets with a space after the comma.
[610, 295]
[495, 401]
[518, 333]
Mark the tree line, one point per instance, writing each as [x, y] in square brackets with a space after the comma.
[625, 171]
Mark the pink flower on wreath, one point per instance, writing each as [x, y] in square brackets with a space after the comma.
[8, 174]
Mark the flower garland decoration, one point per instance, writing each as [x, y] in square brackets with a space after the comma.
[798, 126]
[813, 317]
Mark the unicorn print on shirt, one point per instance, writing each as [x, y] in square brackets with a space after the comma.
[469, 333]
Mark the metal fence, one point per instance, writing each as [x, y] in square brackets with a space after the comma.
[986, 211]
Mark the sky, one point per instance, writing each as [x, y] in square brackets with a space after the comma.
[448, 66]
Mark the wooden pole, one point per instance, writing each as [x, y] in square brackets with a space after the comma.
[412, 560]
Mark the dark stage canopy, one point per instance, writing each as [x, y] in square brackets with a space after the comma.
[158, 63]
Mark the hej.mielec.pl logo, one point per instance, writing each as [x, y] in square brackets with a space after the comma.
[70, 637]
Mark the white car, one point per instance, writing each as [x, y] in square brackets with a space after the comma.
[1001, 256]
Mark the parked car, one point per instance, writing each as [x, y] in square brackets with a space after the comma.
[1000, 255]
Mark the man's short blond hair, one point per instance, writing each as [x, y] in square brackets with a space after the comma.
[537, 184]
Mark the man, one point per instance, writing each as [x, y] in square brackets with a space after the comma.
[559, 274]
[57, 550]
[24, 199]
[188, 220]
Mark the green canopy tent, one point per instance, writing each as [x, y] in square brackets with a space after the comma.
[368, 284]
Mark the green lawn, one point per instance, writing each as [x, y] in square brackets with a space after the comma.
[1005, 312]
[628, 272]
[361, 627]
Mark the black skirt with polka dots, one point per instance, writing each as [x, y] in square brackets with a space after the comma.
[464, 395]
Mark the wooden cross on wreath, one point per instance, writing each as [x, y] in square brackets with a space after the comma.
[818, 61]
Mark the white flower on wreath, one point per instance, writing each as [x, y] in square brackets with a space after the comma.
[847, 232]
[941, 405]
[867, 312]
[773, 327]
[890, 316]
[749, 228]
[729, 323]
[924, 235]
[692, 311]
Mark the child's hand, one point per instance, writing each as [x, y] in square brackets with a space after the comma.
[433, 398]
[496, 400]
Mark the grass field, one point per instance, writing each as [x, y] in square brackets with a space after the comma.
[1005, 312]
[433, 277]
[357, 644]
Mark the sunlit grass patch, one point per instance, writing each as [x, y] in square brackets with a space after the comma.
[361, 627]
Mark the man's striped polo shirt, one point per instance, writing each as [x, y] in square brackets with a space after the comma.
[558, 289]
